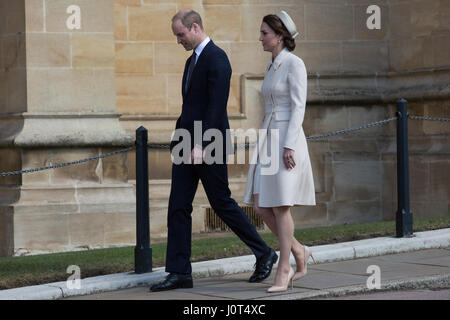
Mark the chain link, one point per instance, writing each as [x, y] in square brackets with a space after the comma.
[428, 118]
[66, 164]
[246, 145]
[158, 146]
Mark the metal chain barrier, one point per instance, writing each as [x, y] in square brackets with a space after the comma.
[428, 118]
[246, 145]
[334, 133]
[66, 164]
[366, 126]
[158, 146]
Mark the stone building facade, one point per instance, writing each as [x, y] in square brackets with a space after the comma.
[68, 93]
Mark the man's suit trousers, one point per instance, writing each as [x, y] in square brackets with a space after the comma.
[214, 177]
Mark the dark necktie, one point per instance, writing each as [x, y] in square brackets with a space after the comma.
[191, 69]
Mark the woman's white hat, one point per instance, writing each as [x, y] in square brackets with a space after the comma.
[288, 23]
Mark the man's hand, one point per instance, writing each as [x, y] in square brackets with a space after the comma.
[197, 155]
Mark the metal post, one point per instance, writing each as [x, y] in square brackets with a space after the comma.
[404, 218]
[142, 251]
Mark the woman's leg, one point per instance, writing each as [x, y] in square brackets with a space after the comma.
[285, 229]
[268, 217]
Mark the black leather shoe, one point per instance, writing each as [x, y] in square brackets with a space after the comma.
[174, 281]
[263, 267]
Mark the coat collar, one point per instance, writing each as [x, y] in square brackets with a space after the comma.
[278, 60]
[201, 46]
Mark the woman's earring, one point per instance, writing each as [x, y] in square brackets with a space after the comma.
[279, 41]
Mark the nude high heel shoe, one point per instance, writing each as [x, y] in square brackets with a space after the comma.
[307, 254]
[284, 288]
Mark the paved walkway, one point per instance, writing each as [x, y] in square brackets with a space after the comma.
[417, 269]
[422, 261]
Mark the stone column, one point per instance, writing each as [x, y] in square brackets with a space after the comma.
[57, 104]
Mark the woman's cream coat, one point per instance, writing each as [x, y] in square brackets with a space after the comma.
[284, 90]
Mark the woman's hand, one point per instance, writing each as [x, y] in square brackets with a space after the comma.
[288, 158]
[197, 155]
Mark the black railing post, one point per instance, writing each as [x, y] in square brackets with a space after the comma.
[142, 251]
[404, 218]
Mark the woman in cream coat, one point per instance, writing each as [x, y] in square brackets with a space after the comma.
[273, 192]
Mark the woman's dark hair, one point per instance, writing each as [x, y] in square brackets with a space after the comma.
[278, 27]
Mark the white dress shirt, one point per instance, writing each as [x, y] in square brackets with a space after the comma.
[200, 48]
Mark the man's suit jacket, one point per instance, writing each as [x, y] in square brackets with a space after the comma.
[206, 96]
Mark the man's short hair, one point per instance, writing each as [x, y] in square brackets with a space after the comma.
[188, 17]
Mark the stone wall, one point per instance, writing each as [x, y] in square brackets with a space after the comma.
[59, 105]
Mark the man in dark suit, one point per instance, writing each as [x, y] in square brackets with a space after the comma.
[205, 89]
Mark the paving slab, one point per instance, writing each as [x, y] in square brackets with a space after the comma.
[421, 294]
[320, 280]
